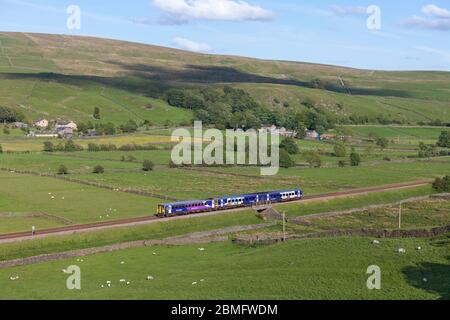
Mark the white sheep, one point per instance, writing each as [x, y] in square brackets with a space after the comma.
[128, 283]
[122, 262]
[401, 250]
[150, 278]
[201, 249]
[375, 242]
[194, 283]
[122, 280]
[419, 248]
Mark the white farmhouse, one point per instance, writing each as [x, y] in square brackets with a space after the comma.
[42, 123]
[70, 124]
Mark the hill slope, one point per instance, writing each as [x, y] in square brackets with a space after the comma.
[65, 77]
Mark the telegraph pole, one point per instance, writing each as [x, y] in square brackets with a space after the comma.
[400, 215]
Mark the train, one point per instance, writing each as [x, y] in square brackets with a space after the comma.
[225, 203]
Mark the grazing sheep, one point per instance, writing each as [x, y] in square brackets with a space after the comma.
[150, 278]
[401, 250]
[375, 242]
[122, 280]
[122, 262]
[202, 280]
[419, 248]
[194, 283]
[201, 249]
[128, 283]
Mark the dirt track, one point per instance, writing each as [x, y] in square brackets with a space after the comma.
[21, 236]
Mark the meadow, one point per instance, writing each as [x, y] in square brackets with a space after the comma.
[306, 269]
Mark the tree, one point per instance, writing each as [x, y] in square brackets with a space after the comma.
[97, 113]
[48, 146]
[98, 170]
[148, 165]
[442, 184]
[339, 150]
[382, 143]
[285, 159]
[290, 145]
[444, 140]
[9, 115]
[129, 127]
[62, 170]
[313, 159]
[1, 149]
[355, 159]
[93, 147]
[342, 164]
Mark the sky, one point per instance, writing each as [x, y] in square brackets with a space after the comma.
[374, 35]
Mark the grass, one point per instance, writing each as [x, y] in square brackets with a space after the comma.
[74, 202]
[303, 209]
[308, 269]
[161, 230]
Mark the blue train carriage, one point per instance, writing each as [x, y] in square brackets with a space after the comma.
[185, 207]
[259, 199]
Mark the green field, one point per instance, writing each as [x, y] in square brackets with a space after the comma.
[309, 269]
[25, 197]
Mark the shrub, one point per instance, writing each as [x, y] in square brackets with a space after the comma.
[285, 159]
[382, 143]
[62, 170]
[92, 147]
[355, 159]
[339, 150]
[290, 145]
[444, 140]
[442, 184]
[342, 164]
[148, 165]
[313, 159]
[98, 170]
[1, 149]
[48, 146]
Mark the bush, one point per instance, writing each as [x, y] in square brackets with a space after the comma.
[382, 143]
[98, 170]
[285, 159]
[444, 140]
[355, 159]
[342, 164]
[92, 147]
[339, 150]
[1, 149]
[313, 159]
[8, 115]
[48, 146]
[62, 170]
[290, 145]
[442, 185]
[148, 165]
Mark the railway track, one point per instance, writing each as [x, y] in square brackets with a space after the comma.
[141, 220]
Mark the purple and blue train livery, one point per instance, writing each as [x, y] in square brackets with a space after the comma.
[231, 202]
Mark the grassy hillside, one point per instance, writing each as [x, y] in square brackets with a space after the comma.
[64, 77]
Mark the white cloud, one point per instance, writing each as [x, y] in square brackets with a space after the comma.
[435, 11]
[434, 24]
[349, 10]
[437, 18]
[189, 45]
[182, 11]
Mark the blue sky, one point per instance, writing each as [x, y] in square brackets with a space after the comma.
[414, 34]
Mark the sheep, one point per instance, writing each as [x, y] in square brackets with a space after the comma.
[128, 283]
[375, 242]
[202, 280]
[401, 250]
[122, 262]
[122, 280]
[201, 249]
[419, 248]
[194, 283]
[425, 280]
[150, 278]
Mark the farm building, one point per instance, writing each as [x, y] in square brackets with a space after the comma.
[42, 123]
